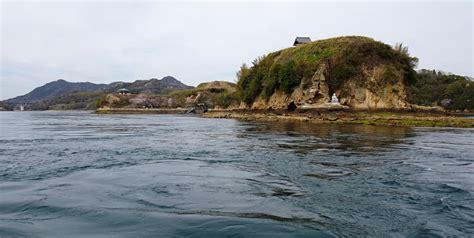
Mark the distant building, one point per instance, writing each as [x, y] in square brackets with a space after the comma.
[301, 40]
[123, 91]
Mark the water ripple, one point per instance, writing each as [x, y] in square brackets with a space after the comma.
[76, 174]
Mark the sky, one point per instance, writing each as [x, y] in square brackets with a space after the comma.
[108, 41]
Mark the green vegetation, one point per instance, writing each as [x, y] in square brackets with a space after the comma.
[340, 60]
[225, 99]
[5, 106]
[73, 101]
[206, 95]
[221, 94]
[433, 88]
[466, 123]
[363, 118]
[344, 57]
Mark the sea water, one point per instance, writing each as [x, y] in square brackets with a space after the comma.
[78, 174]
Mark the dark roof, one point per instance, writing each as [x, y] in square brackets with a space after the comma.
[302, 40]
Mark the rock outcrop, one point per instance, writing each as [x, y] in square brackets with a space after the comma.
[363, 73]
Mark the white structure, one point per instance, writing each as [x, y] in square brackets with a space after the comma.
[334, 99]
[22, 108]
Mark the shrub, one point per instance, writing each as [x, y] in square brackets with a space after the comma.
[345, 57]
[271, 80]
[433, 87]
[389, 75]
[225, 99]
[288, 78]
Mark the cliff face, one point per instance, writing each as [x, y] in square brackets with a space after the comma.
[373, 94]
[363, 73]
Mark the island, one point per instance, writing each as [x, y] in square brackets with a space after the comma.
[349, 79]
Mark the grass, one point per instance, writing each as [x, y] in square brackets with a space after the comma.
[345, 59]
[416, 122]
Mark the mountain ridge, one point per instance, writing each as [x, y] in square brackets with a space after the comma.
[53, 89]
[61, 88]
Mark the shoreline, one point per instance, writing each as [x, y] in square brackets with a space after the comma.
[381, 118]
[140, 111]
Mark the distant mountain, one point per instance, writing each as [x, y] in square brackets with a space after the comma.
[63, 94]
[55, 89]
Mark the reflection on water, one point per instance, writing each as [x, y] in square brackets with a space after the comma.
[68, 174]
[305, 137]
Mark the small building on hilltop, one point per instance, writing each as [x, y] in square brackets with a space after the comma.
[301, 40]
[123, 91]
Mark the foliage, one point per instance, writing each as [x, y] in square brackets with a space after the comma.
[6, 106]
[433, 87]
[216, 93]
[345, 57]
[407, 63]
[271, 81]
[72, 101]
[225, 99]
[250, 80]
[288, 78]
[100, 102]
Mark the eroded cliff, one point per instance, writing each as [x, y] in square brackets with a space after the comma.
[362, 72]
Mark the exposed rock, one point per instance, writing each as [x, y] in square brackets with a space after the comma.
[363, 74]
[318, 92]
[375, 93]
[291, 106]
[446, 102]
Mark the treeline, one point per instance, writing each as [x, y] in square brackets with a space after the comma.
[6, 107]
[435, 88]
[72, 101]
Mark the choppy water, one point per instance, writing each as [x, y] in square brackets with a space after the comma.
[77, 174]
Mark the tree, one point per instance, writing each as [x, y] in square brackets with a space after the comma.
[270, 82]
[288, 78]
[408, 63]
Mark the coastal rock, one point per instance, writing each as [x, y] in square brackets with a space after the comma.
[318, 92]
[372, 92]
[361, 72]
[376, 92]
[314, 95]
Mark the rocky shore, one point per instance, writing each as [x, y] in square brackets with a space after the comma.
[140, 111]
[383, 118]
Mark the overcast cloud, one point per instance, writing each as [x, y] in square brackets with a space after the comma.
[106, 41]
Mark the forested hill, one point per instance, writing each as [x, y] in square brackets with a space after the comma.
[435, 88]
[55, 89]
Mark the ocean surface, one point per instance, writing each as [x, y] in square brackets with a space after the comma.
[78, 174]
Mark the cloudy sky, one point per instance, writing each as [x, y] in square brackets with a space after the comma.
[106, 41]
